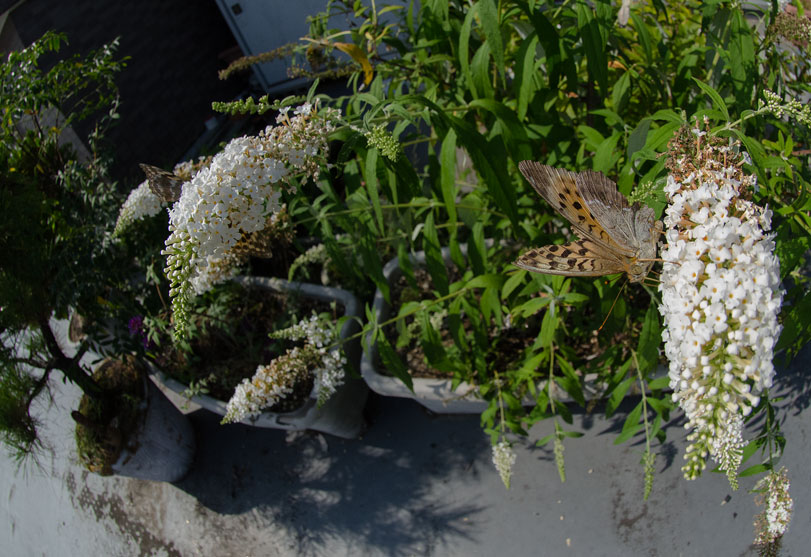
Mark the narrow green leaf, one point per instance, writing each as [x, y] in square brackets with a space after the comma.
[549, 326]
[619, 95]
[464, 48]
[373, 186]
[753, 470]
[392, 361]
[647, 352]
[491, 280]
[488, 14]
[476, 250]
[525, 73]
[531, 306]
[717, 102]
[433, 256]
[605, 157]
[447, 160]
[573, 386]
[516, 280]
[594, 46]
[631, 426]
[638, 137]
[617, 395]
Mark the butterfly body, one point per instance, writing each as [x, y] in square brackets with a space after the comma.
[615, 237]
[166, 185]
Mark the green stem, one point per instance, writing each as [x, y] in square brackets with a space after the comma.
[644, 401]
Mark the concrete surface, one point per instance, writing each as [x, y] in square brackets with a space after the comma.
[414, 484]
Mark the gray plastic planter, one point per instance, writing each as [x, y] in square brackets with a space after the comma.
[342, 414]
[435, 394]
[438, 395]
[162, 447]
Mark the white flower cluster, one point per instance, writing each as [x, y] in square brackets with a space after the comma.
[274, 381]
[140, 203]
[270, 384]
[238, 193]
[504, 459]
[774, 520]
[317, 333]
[721, 294]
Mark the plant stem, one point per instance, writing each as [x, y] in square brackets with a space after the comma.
[69, 366]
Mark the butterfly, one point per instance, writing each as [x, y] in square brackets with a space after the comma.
[166, 185]
[615, 237]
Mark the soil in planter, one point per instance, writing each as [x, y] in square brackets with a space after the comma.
[233, 341]
[103, 425]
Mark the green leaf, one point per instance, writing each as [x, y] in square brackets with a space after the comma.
[549, 326]
[619, 96]
[644, 37]
[753, 470]
[717, 102]
[631, 425]
[448, 175]
[392, 361]
[488, 14]
[617, 396]
[650, 339]
[604, 157]
[572, 386]
[464, 48]
[531, 306]
[594, 46]
[659, 384]
[525, 73]
[476, 250]
[373, 187]
[513, 282]
[491, 280]
[433, 256]
[638, 137]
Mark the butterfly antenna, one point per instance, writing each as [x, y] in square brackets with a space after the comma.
[651, 281]
[612, 306]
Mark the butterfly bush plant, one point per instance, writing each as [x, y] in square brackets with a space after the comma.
[449, 97]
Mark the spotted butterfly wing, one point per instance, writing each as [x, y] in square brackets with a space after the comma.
[163, 184]
[614, 236]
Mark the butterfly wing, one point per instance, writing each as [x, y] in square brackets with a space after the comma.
[559, 188]
[163, 184]
[583, 258]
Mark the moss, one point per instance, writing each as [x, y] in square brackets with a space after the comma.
[104, 424]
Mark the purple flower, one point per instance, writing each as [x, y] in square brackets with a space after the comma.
[136, 327]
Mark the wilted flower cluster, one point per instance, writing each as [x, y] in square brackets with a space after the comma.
[237, 194]
[274, 381]
[504, 459]
[721, 295]
[773, 522]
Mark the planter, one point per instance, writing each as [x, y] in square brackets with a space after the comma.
[342, 414]
[438, 395]
[162, 448]
[137, 432]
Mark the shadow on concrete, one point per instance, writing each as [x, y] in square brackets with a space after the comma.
[380, 489]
